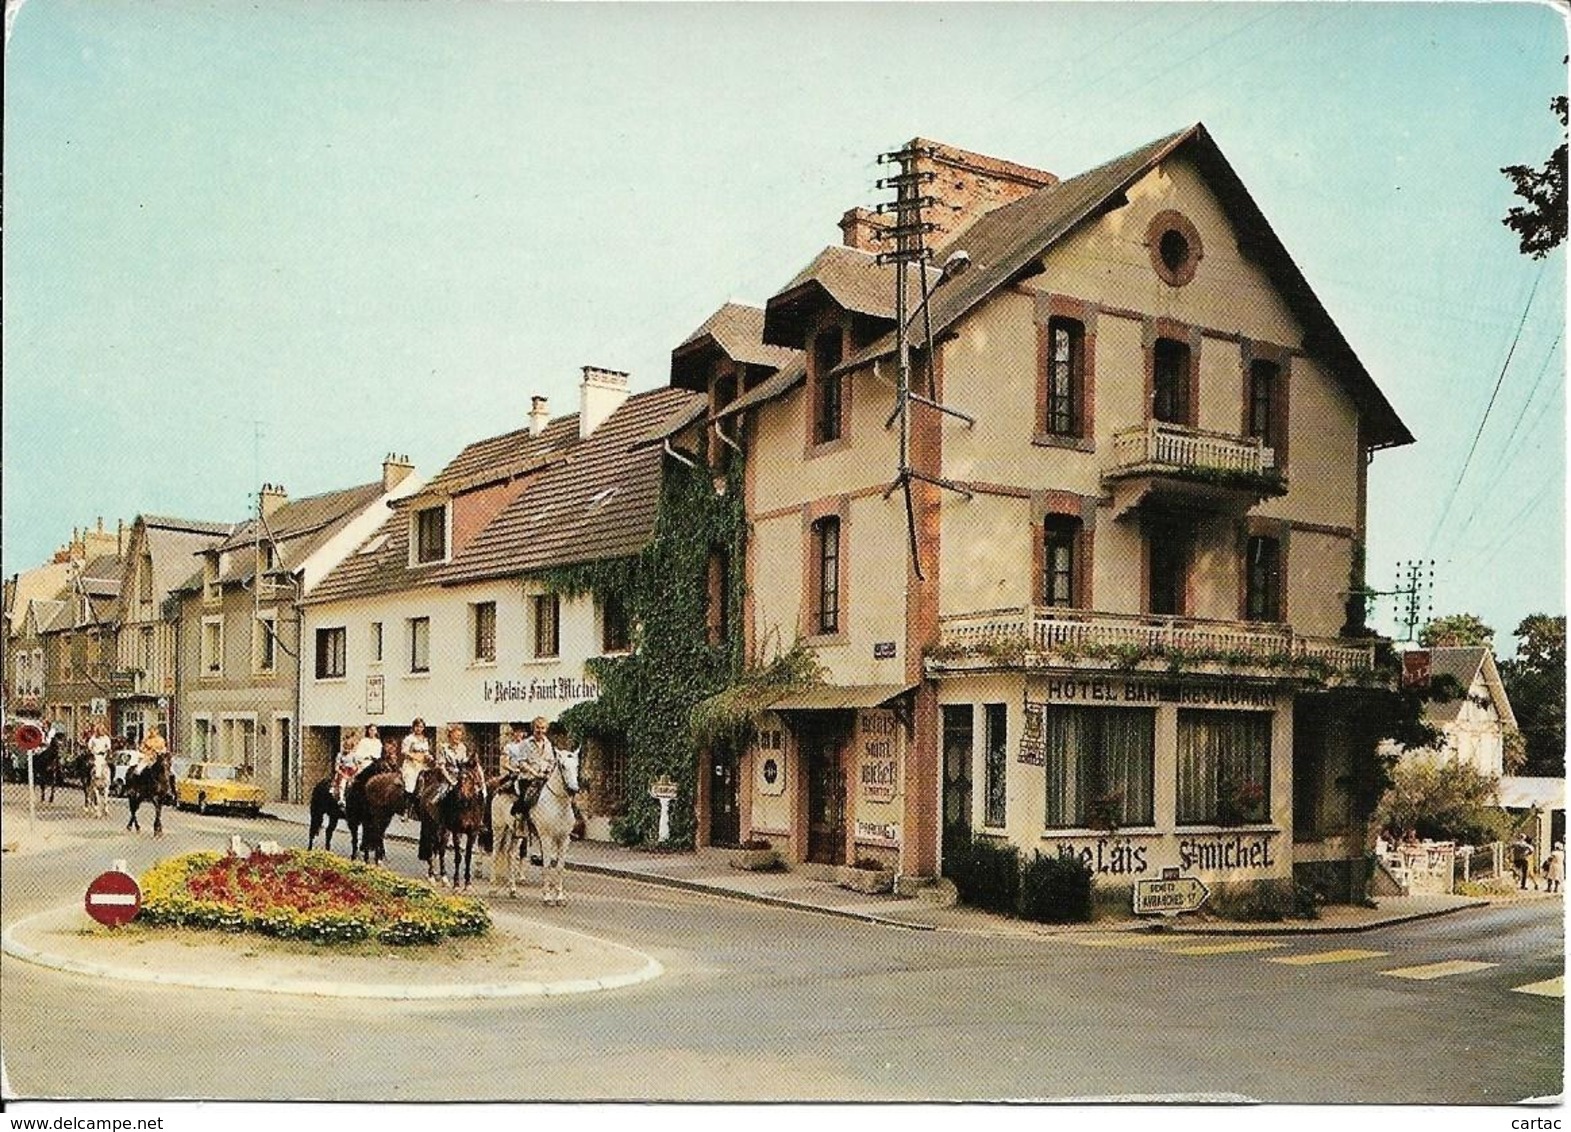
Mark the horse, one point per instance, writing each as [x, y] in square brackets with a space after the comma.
[49, 767]
[552, 818]
[95, 788]
[376, 794]
[508, 835]
[155, 784]
[456, 820]
[324, 804]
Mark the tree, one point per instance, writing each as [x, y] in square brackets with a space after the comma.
[1535, 682]
[1456, 630]
[1540, 223]
[1443, 799]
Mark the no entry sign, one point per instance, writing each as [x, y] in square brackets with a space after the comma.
[113, 898]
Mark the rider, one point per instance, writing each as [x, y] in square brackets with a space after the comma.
[347, 752]
[416, 750]
[452, 760]
[531, 764]
[152, 750]
[98, 748]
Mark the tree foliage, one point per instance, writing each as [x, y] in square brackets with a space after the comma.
[1535, 682]
[1540, 222]
[1444, 799]
[1457, 630]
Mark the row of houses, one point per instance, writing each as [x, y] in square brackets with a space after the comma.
[1121, 618]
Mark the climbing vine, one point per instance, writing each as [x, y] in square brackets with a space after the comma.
[647, 696]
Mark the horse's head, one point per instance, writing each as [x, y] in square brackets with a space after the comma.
[567, 763]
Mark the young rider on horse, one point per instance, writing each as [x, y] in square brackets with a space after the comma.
[348, 752]
[416, 750]
[530, 761]
[451, 761]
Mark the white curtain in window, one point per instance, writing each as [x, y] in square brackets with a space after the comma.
[1217, 744]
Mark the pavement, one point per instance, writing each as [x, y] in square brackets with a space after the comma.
[64, 939]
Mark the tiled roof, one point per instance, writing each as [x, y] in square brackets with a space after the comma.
[101, 576]
[172, 543]
[768, 389]
[1463, 664]
[297, 528]
[501, 457]
[600, 503]
[1008, 240]
[853, 279]
[44, 613]
[737, 331]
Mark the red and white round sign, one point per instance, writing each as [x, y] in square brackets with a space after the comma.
[113, 898]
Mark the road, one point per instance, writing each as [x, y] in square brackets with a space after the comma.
[763, 1004]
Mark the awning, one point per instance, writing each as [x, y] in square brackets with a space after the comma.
[835, 697]
[1523, 793]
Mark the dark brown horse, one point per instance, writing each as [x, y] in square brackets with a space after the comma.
[324, 806]
[376, 794]
[156, 784]
[455, 820]
[49, 767]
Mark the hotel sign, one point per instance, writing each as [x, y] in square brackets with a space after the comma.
[559, 689]
[1229, 693]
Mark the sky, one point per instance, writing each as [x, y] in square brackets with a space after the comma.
[275, 243]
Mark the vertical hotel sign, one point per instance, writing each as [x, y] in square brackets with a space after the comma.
[375, 695]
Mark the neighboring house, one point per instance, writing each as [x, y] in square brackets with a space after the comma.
[1473, 728]
[30, 665]
[1127, 636]
[79, 647]
[1539, 804]
[434, 616]
[239, 625]
[158, 558]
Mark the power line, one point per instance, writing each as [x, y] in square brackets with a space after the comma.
[1472, 448]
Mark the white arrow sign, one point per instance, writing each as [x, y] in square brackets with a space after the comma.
[1170, 895]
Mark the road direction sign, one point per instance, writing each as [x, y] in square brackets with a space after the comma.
[1170, 895]
[113, 898]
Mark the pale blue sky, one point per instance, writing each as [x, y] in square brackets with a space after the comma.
[383, 227]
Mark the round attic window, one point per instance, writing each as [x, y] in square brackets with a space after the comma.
[1175, 247]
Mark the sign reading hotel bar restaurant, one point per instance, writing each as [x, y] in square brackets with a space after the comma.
[1170, 895]
[1223, 693]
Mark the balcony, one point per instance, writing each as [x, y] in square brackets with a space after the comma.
[1209, 470]
[1038, 637]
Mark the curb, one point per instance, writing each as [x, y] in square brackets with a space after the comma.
[1330, 929]
[651, 969]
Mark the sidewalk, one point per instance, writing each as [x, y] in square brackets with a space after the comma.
[708, 870]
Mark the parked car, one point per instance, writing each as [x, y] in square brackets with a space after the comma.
[120, 764]
[217, 786]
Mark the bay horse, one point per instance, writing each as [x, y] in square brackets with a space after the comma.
[156, 784]
[552, 818]
[457, 820]
[373, 798]
[49, 767]
[324, 805]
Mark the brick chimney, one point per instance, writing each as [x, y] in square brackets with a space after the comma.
[600, 395]
[395, 469]
[539, 415]
[858, 228]
[965, 186]
[272, 497]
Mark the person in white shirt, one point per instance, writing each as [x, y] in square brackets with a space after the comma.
[416, 750]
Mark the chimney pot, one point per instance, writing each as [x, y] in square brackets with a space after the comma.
[600, 394]
[395, 470]
[539, 414]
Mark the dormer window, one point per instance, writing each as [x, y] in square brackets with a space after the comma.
[210, 587]
[828, 388]
[430, 535]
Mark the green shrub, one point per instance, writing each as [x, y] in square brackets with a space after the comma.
[986, 874]
[1055, 890]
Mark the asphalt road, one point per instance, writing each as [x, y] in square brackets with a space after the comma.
[763, 1004]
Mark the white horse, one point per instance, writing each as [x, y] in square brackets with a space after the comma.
[98, 776]
[552, 819]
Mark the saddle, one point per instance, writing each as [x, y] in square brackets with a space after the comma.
[528, 793]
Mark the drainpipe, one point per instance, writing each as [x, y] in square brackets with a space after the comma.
[677, 456]
[296, 771]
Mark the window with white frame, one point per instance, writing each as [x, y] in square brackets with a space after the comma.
[1100, 767]
[376, 642]
[212, 646]
[547, 617]
[482, 631]
[430, 535]
[331, 653]
[419, 644]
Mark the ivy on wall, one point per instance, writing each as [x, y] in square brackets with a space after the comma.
[646, 697]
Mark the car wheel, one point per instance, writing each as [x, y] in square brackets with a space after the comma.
[201, 803]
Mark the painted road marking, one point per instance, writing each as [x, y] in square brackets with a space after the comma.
[1549, 988]
[1346, 955]
[112, 898]
[1439, 970]
[1227, 948]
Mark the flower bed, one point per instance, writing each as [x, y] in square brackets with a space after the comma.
[302, 894]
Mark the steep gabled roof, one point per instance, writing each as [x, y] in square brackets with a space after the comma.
[171, 543]
[497, 458]
[736, 331]
[42, 612]
[850, 278]
[297, 528]
[1465, 664]
[600, 503]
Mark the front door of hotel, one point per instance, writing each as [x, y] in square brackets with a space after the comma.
[725, 806]
[826, 794]
[957, 780]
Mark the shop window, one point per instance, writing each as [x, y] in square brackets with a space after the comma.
[419, 644]
[1100, 767]
[995, 770]
[331, 653]
[1263, 579]
[1224, 767]
[547, 626]
[1064, 387]
[482, 621]
[826, 560]
[1170, 381]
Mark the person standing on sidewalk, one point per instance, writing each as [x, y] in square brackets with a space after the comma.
[1555, 868]
[1522, 861]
